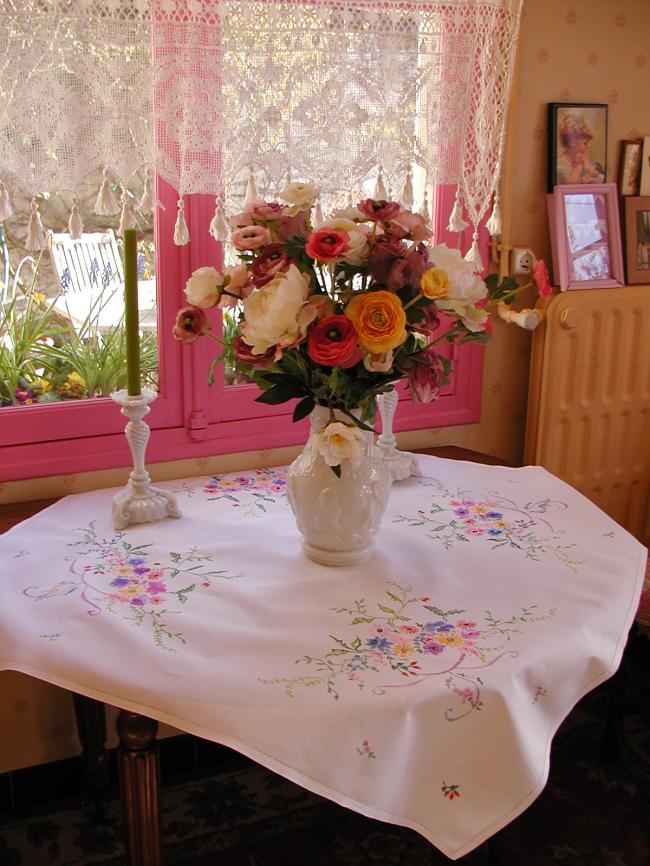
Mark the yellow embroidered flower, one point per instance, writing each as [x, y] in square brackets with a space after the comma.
[403, 650]
[434, 283]
[450, 639]
[39, 297]
[379, 320]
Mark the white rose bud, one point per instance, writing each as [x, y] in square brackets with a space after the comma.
[338, 441]
[205, 287]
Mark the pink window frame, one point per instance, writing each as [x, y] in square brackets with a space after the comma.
[189, 418]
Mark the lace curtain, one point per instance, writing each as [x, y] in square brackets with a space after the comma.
[210, 92]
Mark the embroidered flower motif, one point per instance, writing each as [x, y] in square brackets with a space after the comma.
[365, 750]
[450, 791]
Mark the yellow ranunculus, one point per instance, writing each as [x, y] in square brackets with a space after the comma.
[379, 320]
[434, 283]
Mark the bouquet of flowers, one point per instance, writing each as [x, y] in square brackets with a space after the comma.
[333, 314]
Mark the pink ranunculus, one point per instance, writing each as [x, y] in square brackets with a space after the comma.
[541, 278]
[379, 210]
[244, 354]
[264, 210]
[409, 225]
[430, 321]
[385, 252]
[240, 220]
[270, 261]
[239, 286]
[191, 323]
[327, 245]
[250, 238]
[408, 270]
[425, 377]
[292, 226]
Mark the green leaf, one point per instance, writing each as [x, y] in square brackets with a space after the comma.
[279, 394]
[303, 408]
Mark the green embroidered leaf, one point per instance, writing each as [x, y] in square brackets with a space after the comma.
[386, 609]
[175, 557]
[359, 619]
[356, 643]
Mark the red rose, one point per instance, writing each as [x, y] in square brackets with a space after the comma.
[244, 354]
[270, 261]
[333, 343]
[327, 245]
[191, 323]
[379, 210]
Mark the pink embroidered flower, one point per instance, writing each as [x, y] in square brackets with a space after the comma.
[250, 238]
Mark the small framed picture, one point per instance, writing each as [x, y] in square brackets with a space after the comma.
[586, 237]
[577, 147]
[644, 188]
[637, 239]
[629, 169]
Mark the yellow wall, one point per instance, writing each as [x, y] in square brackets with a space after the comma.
[569, 50]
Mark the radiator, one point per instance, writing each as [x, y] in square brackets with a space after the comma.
[588, 416]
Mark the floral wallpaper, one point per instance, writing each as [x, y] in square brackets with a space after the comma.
[569, 50]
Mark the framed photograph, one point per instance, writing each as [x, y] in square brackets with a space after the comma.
[586, 236]
[629, 168]
[577, 147]
[644, 188]
[637, 239]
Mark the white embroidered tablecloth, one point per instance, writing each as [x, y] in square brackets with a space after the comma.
[421, 688]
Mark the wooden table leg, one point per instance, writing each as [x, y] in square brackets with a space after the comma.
[91, 728]
[140, 785]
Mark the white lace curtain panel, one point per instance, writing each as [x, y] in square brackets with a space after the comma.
[208, 92]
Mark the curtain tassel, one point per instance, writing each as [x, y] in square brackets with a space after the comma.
[380, 193]
[75, 225]
[407, 191]
[424, 210]
[35, 232]
[251, 189]
[456, 222]
[127, 219]
[218, 227]
[493, 225]
[149, 202]
[318, 215]
[181, 233]
[106, 204]
[5, 205]
[473, 256]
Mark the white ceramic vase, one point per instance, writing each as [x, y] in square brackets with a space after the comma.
[338, 517]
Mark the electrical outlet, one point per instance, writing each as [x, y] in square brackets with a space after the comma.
[521, 261]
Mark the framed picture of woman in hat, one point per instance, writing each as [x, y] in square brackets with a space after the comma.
[577, 143]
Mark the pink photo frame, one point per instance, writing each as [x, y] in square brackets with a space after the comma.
[586, 236]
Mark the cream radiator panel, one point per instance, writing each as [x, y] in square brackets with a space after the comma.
[589, 399]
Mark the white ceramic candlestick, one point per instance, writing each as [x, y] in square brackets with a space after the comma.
[401, 463]
[139, 502]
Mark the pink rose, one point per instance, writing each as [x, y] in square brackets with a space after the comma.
[250, 238]
[379, 210]
[270, 261]
[191, 323]
[239, 286]
[430, 321]
[292, 226]
[327, 245]
[240, 220]
[409, 225]
[264, 210]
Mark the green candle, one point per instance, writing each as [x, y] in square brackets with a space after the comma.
[131, 317]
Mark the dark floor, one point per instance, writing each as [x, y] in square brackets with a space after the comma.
[222, 810]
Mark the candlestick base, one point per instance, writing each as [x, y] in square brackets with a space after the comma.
[140, 502]
[401, 464]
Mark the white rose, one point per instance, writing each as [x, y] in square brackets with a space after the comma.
[277, 314]
[204, 287]
[338, 441]
[465, 288]
[379, 363]
[299, 196]
[358, 234]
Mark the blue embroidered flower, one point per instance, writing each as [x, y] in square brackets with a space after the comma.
[494, 533]
[440, 625]
[494, 515]
[379, 643]
[136, 560]
[120, 581]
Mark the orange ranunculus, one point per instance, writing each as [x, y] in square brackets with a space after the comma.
[379, 319]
